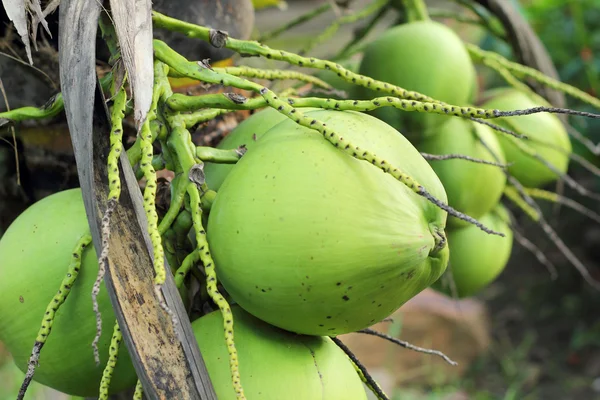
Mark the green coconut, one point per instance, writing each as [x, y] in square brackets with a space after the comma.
[473, 189]
[35, 254]
[314, 241]
[424, 56]
[245, 134]
[275, 364]
[547, 136]
[478, 258]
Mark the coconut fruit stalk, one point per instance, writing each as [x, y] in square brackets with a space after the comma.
[314, 241]
[276, 364]
[547, 137]
[472, 188]
[476, 258]
[35, 253]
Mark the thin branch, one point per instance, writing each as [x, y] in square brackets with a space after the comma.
[443, 157]
[368, 378]
[407, 345]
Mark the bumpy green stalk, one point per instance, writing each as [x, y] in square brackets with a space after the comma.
[273, 74]
[177, 197]
[57, 301]
[295, 22]
[179, 63]
[522, 72]
[181, 143]
[506, 75]
[331, 30]
[113, 356]
[416, 10]
[54, 106]
[114, 185]
[253, 48]
[139, 391]
[224, 101]
[198, 117]
[145, 136]
[213, 291]
[185, 267]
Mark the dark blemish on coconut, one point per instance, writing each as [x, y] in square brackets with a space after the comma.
[321, 325]
[263, 290]
[378, 305]
[349, 288]
[329, 317]
[411, 274]
[346, 298]
[21, 299]
[339, 284]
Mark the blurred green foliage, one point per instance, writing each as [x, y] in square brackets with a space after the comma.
[570, 30]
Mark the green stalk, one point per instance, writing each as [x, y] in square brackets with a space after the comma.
[416, 10]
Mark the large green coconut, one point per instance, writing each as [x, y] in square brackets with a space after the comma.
[35, 253]
[478, 258]
[546, 133]
[275, 364]
[424, 56]
[312, 240]
[473, 189]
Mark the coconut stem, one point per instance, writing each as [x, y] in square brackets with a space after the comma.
[113, 356]
[146, 138]
[57, 301]
[479, 55]
[219, 156]
[139, 391]
[533, 249]
[330, 31]
[213, 291]
[197, 117]
[181, 144]
[416, 10]
[185, 267]
[443, 157]
[54, 106]
[361, 370]
[407, 345]
[114, 187]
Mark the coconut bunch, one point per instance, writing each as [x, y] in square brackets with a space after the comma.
[476, 161]
[314, 217]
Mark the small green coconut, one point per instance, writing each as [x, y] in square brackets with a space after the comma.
[424, 56]
[314, 241]
[35, 254]
[275, 364]
[472, 188]
[547, 136]
[478, 258]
